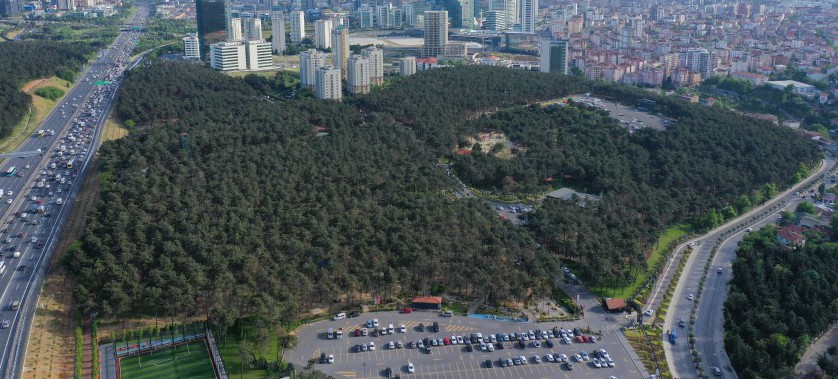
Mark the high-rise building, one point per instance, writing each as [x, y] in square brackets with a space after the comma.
[228, 56]
[366, 17]
[407, 66]
[495, 20]
[340, 49]
[554, 56]
[278, 31]
[358, 79]
[376, 58]
[323, 34]
[310, 61]
[252, 28]
[298, 26]
[529, 10]
[66, 5]
[508, 13]
[387, 17]
[461, 13]
[258, 55]
[436, 33]
[212, 23]
[9, 7]
[191, 46]
[328, 83]
[234, 30]
[699, 60]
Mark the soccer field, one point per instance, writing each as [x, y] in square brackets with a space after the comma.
[186, 361]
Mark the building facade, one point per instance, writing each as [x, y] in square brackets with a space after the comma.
[298, 26]
[436, 33]
[323, 34]
[461, 13]
[234, 30]
[328, 83]
[554, 56]
[376, 64]
[407, 66]
[259, 55]
[228, 56]
[340, 49]
[191, 46]
[310, 61]
[529, 10]
[252, 28]
[358, 79]
[212, 23]
[700, 60]
[278, 32]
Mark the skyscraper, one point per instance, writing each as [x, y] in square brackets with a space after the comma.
[461, 12]
[323, 34]
[495, 20]
[554, 56]
[358, 80]
[277, 31]
[529, 9]
[9, 7]
[252, 28]
[376, 58]
[508, 12]
[436, 33]
[212, 20]
[234, 30]
[340, 49]
[298, 26]
[310, 61]
[328, 83]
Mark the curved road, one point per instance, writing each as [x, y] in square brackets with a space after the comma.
[35, 234]
[709, 331]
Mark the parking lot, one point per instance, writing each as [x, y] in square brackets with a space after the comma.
[452, 361]
[630, 118]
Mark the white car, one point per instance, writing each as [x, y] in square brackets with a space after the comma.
[596, 363]
[549, 358]
[372, 346]
[648, 312]
[402, 329]
[563, 357]
[410, 368]
[331, 359]
[17, 254]
[690, 297]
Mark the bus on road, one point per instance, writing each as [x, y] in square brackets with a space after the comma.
[11, 171]
[70, 163]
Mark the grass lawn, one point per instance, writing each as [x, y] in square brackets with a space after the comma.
[186, 361]
[671, 234]
[40, 109]
[229, 350]
[113, 130]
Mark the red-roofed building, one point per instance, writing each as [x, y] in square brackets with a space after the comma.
[614, 305]
[426, 63]
[427, 302]
[791, 235]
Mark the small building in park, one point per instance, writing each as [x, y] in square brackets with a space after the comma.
[432, 303]
[614, 305]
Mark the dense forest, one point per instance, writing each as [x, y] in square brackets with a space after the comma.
[24, 61]
[228, 195]
[239, 197]
[779, 300]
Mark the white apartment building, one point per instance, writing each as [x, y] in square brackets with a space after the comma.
[323, 34]
[191, 46]
[310, 61]
[252, 28]
[278, 32]
[259, 55]
[298, 26]
[234, 30]
[376, 58]
[407, 66]
[358, 80]
[340, 49]
[228, 56]
[328, 83]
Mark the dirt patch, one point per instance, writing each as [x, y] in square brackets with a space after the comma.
[496, 143]
[113, 130]
[51, 348]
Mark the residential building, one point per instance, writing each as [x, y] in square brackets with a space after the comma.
[366, 17]
[278, 31]
[328, 83]
[298, 26]
[228, 56]
[529, 11]
[340, 49]
[323, 34]
[358, 80]
[699, 60]
[407, 66]
[310, 61]
[212, 23]
[191, 46]
[252, 28]
[554, 56]
[234, 30]
[376, 64]
[436, 33]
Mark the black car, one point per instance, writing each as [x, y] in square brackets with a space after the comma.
[549, 343]
[436, 327]
[521, 345]
[469, 348]
[12, 248]
[353, 314]
[502, 363]
[322, 357]
[421, 327]
[388, 372]
[40, 245]
[500, 346]
[489, 363]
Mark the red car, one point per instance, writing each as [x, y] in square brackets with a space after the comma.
[406, 310]
[579, 339]
[357, 332]
[586, 338]
[446, 341]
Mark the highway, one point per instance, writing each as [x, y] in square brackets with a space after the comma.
[709, 333]
[39, 190]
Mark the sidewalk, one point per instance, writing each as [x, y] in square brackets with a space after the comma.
[107, 361]
[634, 357]
[809, 360]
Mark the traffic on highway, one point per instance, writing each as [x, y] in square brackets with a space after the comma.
[38, 184]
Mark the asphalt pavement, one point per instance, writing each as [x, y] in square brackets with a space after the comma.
[36, 234]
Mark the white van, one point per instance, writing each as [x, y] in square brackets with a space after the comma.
[390, 329]
[339, 316]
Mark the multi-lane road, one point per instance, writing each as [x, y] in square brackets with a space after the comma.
[39, 187]
[709, 333]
